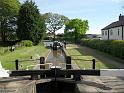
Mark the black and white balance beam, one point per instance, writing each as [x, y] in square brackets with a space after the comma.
[101, 72]
[112, 72]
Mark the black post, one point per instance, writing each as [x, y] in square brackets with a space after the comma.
[42, 61]
[65, 44]
[16, 64]
[94, 63]
[68, 65]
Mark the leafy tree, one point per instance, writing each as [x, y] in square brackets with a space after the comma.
[54, 22]
[76, 28]
[9, 28]
[30, 25]
[8, 9]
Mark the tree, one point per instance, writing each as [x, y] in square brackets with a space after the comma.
[8, 9]
[9, 28]
[76, 28]
[54, 22]
[30, 25]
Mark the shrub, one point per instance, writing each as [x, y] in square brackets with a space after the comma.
[113, 47]
[27, 43]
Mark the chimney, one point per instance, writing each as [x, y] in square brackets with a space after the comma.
[121, 17]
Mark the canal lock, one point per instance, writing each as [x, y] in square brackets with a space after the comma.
[57, 58]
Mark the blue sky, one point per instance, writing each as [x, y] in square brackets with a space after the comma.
[99, 13]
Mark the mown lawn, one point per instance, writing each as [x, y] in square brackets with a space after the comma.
[23, 53]
[83, 59]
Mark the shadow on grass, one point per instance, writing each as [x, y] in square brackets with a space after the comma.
[8, 43]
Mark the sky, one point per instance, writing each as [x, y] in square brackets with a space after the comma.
[99, 13]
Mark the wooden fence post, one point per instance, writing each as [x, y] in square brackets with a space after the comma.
[94, 63]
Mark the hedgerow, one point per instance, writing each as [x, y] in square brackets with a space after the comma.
[113, 47]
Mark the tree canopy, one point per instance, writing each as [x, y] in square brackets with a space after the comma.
[76, 28]
[30, 25]
[54, 22]
[8, 10]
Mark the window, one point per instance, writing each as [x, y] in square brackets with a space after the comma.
[103, 33]
[111, 32]
[118, 32]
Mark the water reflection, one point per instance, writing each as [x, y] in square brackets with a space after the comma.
[56, 58]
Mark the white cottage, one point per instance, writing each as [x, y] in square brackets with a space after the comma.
[114, 31]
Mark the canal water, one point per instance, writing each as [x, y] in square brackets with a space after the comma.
[57, 58]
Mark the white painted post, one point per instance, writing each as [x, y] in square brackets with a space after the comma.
[3, 72]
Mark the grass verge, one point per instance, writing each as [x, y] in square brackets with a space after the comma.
[8, 59]
[84, 60]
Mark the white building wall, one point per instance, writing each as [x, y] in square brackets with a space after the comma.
[104, 36]
[114, 35]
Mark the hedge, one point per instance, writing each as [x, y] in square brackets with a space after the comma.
[113, 47]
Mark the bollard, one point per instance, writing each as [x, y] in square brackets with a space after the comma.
[94, 63]
[16, 64]
[68, 65]
[42, 61]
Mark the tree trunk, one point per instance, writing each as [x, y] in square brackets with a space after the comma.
[75, 37]
[3, 37]
[3, 34]
[0, 30]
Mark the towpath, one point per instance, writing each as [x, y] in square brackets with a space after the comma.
[99, 84]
